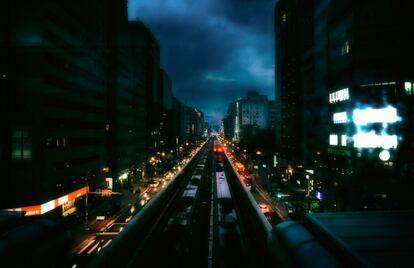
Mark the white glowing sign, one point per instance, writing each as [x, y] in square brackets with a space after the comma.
[369, 115]
[339, 118]
[372, 140]
[109, 183]
[46, 207]
[62, 200]
[333, 139]
[340, 95]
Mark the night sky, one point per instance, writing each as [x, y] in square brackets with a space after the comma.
[214, 50]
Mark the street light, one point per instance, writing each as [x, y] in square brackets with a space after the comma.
[102, 193]
[86, 210]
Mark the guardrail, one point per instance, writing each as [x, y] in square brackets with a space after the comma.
[255, 223]
[264, 223]
[124, 245]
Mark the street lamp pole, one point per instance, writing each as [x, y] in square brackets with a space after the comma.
[86, 204]
[86, 211]
[102, 193]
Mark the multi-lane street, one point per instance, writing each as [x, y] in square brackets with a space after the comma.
[103, 229]
[210, 219]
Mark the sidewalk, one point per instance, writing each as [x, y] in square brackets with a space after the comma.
[278, 207]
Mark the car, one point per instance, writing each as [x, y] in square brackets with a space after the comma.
[153, 183]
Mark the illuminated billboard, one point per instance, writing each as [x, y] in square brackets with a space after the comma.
[365, 116]
[52, 204]
[373, 140]
[333, 139]
[340, 118]
[338, 96]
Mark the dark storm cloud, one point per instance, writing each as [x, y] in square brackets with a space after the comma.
[253, 14]
[214, 50]
[190, 49]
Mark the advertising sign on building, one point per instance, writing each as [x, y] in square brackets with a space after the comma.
[109, 183]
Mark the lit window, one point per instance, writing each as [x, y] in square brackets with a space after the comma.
[339, 118]
[408, 86]
[345, 48]
[21, 145]
[284, 17]
[333, 139]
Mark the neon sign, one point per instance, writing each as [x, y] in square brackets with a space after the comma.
[362, 117]
[338, 96]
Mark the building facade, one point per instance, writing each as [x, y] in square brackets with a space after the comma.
[53, 88]
[75, 90]
[345, 98]
[358, 55]
[245, 114]
[293, 37]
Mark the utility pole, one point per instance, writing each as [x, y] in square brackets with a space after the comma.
[102, 193]
[86, 211]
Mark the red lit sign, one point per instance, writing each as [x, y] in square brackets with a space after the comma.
[52, 204]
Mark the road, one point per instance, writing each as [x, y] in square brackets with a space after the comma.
[207, 223]
[207, 219]
[278, 211]
[102, 232]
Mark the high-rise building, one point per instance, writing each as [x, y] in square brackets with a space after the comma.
[294, 36]
[272, 120]
[126, 102]
[154, 97]
[231, 123]
[254, 110]
[345, 98]
[167, 140]
[245, 114]
[76, 90]
[53, 110]
[197, 124]
[358, 58]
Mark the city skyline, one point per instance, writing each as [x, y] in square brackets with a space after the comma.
[237, 133]
[239, 32]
